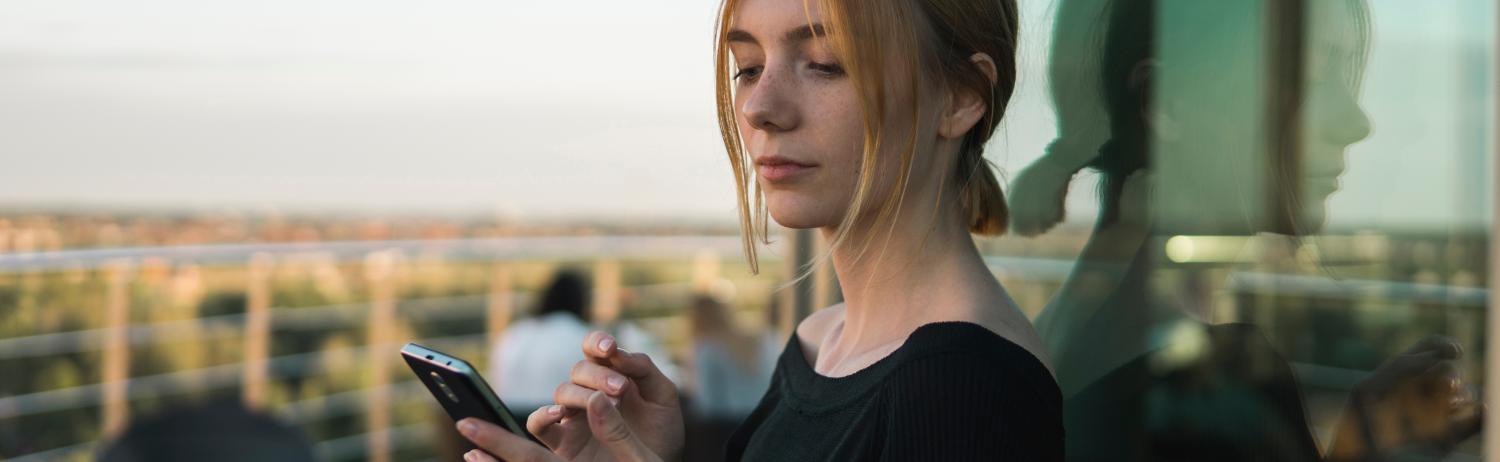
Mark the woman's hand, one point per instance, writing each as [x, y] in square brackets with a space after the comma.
[1414, 403]
[613, 438]
[632, 413]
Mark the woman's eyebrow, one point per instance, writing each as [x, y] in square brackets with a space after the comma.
[795, 35]
[736, 35]
[804, 33]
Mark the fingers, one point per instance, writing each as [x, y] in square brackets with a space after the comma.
[1429, 359]
[643, 373]
[595, 376]
[1444, 347]
[543, 423]
[1426, 364]
[499, 442]
[600, 348]
[610, 429]
[573, 396]
[1466, 426]
[478, 456]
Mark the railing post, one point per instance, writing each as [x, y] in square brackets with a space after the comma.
[116, 361]
[825, 282]
[380, 268]
[606, 292]
[798, 298]
[257, 330]
[499, 303]
[705, 271]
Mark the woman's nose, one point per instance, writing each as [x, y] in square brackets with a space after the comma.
[1347, 122]
[770, 105]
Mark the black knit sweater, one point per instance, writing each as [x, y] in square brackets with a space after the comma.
[952, 391]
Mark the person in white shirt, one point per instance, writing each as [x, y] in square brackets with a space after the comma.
[533, 355]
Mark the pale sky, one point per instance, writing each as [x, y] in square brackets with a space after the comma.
[549, 108]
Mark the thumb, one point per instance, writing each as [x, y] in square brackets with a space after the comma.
[610, 429]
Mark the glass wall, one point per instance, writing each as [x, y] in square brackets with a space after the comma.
[1277, 228]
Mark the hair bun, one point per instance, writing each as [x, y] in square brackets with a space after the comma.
[984, 202]
[1038, 194]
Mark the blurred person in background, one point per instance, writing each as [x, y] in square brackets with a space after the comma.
[731, 367]
[867, 120]
[532, 355]
[1164, 98]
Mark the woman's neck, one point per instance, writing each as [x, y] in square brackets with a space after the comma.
[924, 268]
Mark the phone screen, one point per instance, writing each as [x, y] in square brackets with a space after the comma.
[460, 389]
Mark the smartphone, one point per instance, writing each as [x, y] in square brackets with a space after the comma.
[460, 389]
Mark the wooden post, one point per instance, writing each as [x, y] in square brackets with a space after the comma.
[499, 306]
[801, 293]
[380, 268]
[705, 271]
[606, 292]
[825, 284]
[116, 373]
[257, 330]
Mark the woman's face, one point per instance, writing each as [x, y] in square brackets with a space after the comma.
[1332, 117]
[798, 113]
[1213, 95]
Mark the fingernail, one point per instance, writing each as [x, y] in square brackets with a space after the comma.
[612, 401]
[467, 427]
[605, 344]
[615, 383]
[555, 409]
[469, 456]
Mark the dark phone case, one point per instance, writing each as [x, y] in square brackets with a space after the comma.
[475, 398]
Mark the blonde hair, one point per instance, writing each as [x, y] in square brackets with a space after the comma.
[928, 37]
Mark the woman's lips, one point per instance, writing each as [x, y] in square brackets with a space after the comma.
[779, 170]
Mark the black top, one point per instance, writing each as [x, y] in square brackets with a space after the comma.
[952, 391]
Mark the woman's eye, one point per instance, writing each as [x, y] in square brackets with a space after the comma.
[829, 70]
[747, 73]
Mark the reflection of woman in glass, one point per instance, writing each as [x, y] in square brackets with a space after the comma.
[1178, 87]
[867, 120]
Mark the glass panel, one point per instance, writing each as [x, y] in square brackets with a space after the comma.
[1286, 254]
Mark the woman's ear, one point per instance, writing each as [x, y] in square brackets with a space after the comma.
[965, 107]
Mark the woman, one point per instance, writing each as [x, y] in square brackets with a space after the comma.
[865, 119]
[534, 353]
[1147, 373]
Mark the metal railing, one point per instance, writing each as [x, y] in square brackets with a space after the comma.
[114, 340]
[382, 435]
